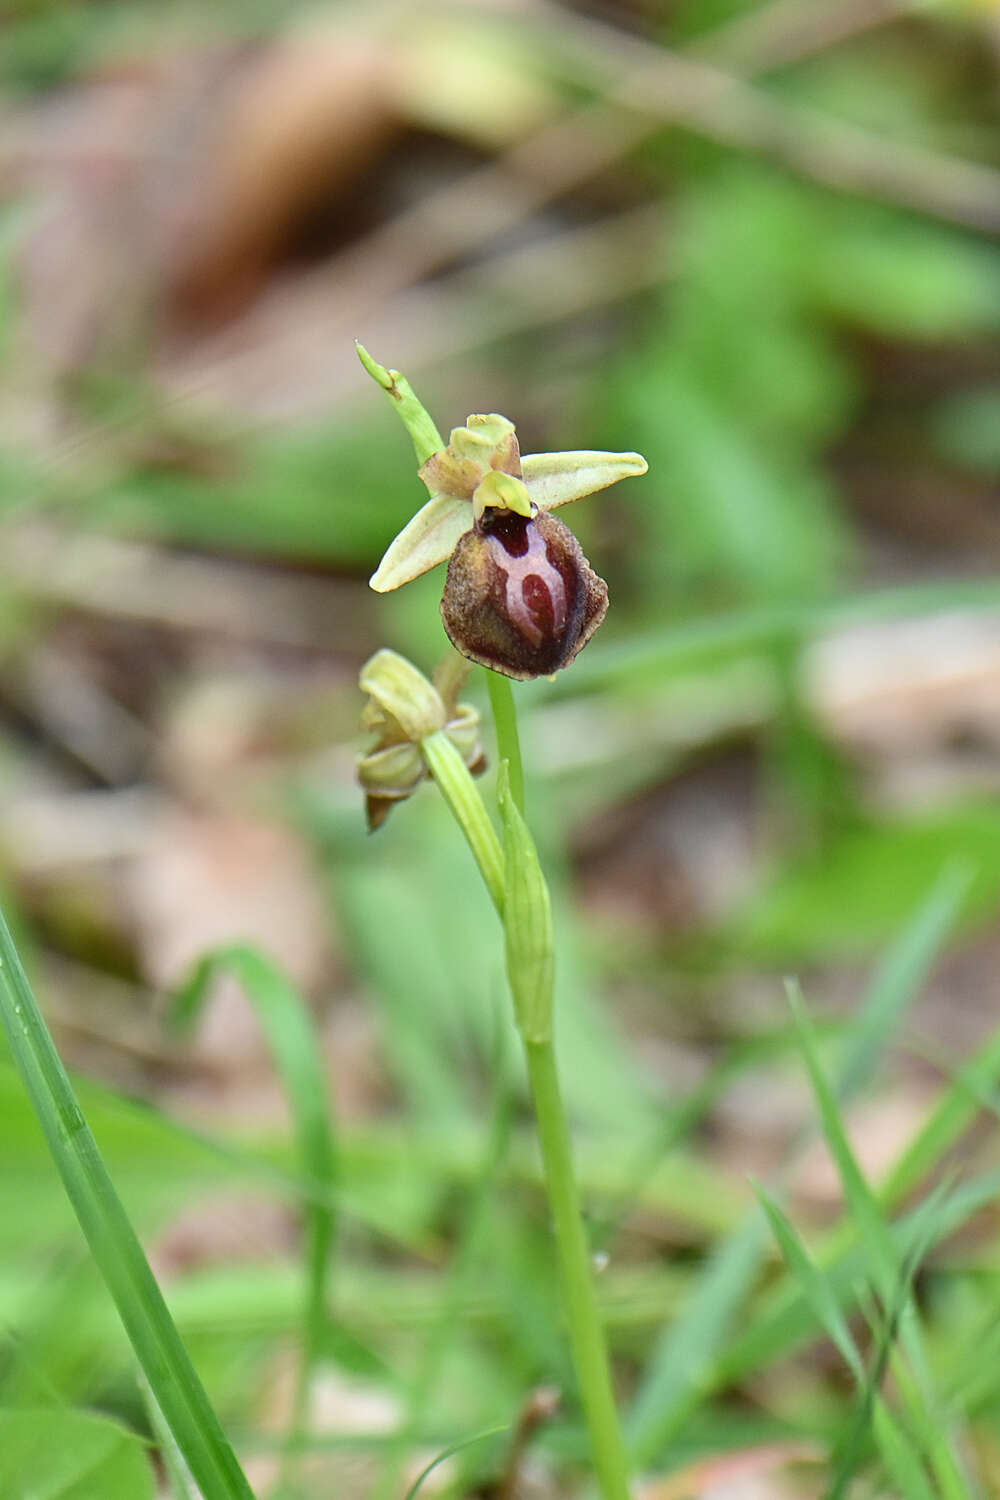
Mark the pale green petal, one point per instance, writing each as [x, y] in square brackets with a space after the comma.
[557, 478]
[484, 427]
[428, 539]
[501, 491]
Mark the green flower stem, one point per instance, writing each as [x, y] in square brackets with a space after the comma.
[585, 1329]
[508, 739]
[452, 776]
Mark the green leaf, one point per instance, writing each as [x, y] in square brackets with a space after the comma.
[907, 279]
[735, 509]
[334, 493]
[966, 428]
[70, 1455]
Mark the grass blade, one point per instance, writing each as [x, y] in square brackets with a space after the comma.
[462, 1271]
[688, 1347]
[952, 1115]
[819, 1293]
[691, 1347]
[899, 1452]
[288, 1026]
[864, 1209]
[176, 1470]
[824, 1297]
[901, 975]
[453, 1448]
[879, 1247]
[112, 1240]
[902, 1463]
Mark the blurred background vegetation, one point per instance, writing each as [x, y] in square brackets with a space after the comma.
[756, 242]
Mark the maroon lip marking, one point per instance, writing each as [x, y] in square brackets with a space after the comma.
[536, 594]
[535, 590]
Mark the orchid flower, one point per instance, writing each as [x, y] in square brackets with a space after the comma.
[520, 596]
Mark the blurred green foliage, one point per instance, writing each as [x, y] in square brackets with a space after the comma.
[798, 351]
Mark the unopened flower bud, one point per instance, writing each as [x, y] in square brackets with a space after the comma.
[520, 596]
[405, 710]
[393, 772]
[388, 776]
[402, 695]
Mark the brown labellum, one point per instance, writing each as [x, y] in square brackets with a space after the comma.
[521, 597]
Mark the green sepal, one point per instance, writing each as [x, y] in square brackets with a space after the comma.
[415, 417]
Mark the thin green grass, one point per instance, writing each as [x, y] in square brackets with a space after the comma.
[292, 1036]
[446, 1453]
[113, 1242]
[685, 1365]
[884, 1269]
[459, 1281]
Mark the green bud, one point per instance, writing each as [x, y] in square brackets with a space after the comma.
[403, 694]
[406, 711]
[393, 772]
[388, 776]
[527, 914]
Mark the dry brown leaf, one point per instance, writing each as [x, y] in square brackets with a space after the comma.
[296, 129]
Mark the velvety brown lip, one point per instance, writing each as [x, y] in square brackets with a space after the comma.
[521, 597]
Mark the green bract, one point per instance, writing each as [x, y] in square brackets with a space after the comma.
[527, 922]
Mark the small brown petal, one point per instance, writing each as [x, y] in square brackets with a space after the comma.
[445, 473]
[507, 455]
[520, 597]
